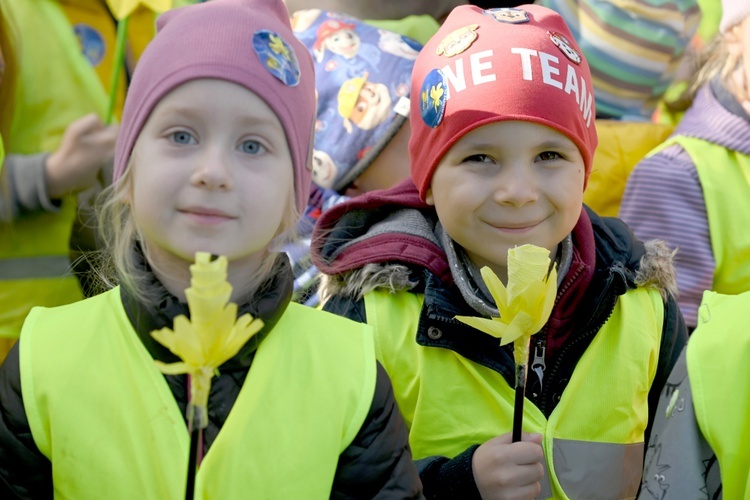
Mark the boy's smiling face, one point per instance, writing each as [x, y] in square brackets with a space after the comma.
[505, 184]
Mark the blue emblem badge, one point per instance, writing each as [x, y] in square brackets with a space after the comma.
[432, 98]
[91, 43]
[277, 56]
[508, 15]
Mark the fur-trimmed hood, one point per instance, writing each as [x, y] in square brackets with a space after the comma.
[385, 239]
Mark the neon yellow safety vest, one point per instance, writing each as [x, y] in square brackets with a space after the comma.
[104, 415]
[725, 180]
[56, 85]
[719, 374]
[593, 440]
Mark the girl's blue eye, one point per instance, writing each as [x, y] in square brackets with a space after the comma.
[251, 147]
[182, 137]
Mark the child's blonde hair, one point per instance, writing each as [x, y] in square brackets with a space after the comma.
[714, 60]
[118, 263]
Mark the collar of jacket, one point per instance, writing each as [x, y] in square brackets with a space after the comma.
[269, 305]
[351, 220]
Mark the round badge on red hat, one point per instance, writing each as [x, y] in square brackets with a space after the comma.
[565, 47]
[432, 98]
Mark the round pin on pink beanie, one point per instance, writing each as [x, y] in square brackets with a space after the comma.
[247, 42]
[485, 66]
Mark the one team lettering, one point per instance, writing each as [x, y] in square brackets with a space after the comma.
[480, 70]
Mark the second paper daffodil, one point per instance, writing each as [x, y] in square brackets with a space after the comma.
[525, 304]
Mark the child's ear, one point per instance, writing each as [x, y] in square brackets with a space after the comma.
[124, 192]
[428, 198]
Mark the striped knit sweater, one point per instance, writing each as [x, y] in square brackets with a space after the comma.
[663, 198]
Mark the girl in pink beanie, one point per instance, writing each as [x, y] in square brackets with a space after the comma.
[212, 160]
[502, 120]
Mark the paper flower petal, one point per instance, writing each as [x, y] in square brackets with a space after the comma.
[525, 303]
[212, 335]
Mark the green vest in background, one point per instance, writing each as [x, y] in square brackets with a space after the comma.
[717, 363]
[104, 415]
[55, 86]
[593, 440]
[725, 179]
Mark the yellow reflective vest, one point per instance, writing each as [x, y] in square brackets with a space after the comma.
[56, 85]
[725, 180]
[104, 415]
[593, 440]
[719, 374]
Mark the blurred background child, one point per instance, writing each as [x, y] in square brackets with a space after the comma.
[691, 192]
[363, 82]
[57, 146]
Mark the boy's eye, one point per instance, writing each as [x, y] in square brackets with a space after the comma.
[252, 147]
[549, 155]
[478, 159]
[182, 137]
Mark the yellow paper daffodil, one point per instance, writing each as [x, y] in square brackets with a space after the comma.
[525, 304]
[212, 335]
[123, 8]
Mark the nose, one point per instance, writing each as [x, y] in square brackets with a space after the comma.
[213, 170]
[517, 185]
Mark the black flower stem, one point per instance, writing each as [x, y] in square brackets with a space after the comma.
[195, 437]
[521, 371]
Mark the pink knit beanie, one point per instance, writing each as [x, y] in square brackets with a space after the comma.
[486, 66]
[247, 42]
[732, 12]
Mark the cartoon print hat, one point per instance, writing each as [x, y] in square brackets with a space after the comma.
[732, 12]
[486, 66]
[633, 48]
[363, 83]
[247, 42]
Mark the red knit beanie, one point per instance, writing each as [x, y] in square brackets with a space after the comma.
[486, 66]
[247, 42]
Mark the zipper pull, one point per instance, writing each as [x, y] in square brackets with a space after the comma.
[538, 365]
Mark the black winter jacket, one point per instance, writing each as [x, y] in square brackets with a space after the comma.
[377, 464]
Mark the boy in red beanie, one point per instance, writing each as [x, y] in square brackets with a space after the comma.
[502, 141]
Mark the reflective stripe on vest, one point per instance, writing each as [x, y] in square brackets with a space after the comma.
[104, 415]
[717, 364]
[725, 180]
[593, 439]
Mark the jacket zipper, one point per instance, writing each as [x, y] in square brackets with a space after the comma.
[538, 365]
[544, 399]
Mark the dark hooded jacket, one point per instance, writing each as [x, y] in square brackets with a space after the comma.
[386, 240]
[377, 464]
